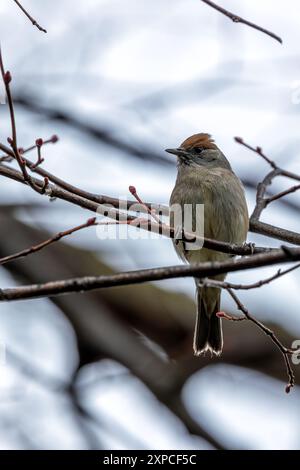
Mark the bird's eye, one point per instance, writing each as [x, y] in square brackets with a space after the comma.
[198, 150]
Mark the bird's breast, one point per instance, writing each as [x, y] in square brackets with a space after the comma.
[221, 195]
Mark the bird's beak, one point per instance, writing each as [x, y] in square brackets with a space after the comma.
[178, 152]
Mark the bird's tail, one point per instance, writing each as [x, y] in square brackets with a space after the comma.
[208, 329]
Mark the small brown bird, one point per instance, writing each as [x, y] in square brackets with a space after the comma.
[205, 177]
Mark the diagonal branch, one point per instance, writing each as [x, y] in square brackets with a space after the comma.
[238, 19]
[262, 282]
[286, 352]
[33, 21]
[262, 201]
[277, 196]
[41, 246]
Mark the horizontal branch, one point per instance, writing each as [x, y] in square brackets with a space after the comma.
[89, 283]
[273, 231]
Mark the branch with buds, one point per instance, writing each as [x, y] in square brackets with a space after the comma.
[41, 246]
[262, 201]
[7, 78]
[286, 352]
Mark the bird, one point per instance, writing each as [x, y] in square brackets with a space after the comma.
[205, 177]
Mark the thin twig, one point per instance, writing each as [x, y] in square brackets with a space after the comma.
[258, 150]
[6, 77]
[286, 352]
[52, 140]
[277, 196]
[150, 211]
[33, 21]
[229, 285]
[228, 317]
[238, 19]
[262, 201]
[40, 246]
[98, 198]
[89, 223]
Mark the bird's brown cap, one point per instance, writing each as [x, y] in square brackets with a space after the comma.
[199, 140]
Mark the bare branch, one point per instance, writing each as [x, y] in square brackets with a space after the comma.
[267, 331]
[33, 21]
[262, 282]
[40, 246]
[6, 77]
[262, 201]
[257, 150]
[277, 196]
[201, 270]
[238, 19]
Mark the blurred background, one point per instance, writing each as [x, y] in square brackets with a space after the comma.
[118, 82]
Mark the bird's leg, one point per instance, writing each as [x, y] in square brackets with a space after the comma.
[178, 234]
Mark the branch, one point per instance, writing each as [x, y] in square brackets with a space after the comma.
[40, 246]
[262, 201]
[6, 77]
[238, 19]
[88, 283]
[24, 163]
[148, 210]
[262, 282]
[33, 21]
[285, 351]
[255, 225]
[99, 198]
[277, 196]
[258, 150]
[117, 215]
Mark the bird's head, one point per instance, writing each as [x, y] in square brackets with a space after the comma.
[200, 149]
